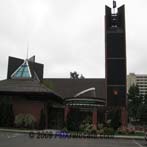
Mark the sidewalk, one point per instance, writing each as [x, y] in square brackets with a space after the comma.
[54, 132]
[129, 137]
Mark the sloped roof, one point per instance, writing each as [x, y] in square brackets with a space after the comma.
[22, 85]
[27, 87]
[70, 87]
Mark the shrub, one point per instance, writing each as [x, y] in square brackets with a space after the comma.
[29, 121]
[122, 132]
[82, 127]
[25, 121]
[88, 128]
[101, 131]
[108, 131]
[131, 132]
[100, 126]
[85, 127]
[93, 131]
[19, 120]
[126, 131]
[64, 129]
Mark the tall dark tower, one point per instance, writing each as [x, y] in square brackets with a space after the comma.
[115, 59]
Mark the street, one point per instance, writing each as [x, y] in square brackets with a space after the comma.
[23, 140]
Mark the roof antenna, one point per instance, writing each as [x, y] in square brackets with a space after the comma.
[27, 50]
[114, 6]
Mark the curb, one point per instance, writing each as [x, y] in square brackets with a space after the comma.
[130, 137]
[16, 131]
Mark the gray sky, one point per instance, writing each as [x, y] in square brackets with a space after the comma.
[68, 35]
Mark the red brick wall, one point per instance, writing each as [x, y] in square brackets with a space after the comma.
[124, 118]
[94, 118]
[27, 106]
[66, 111]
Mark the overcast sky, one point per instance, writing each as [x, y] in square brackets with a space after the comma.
[68, 35]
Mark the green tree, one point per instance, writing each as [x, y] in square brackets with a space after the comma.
[42, 120]
[10, 116]
[74, 75]
[115, 119]
[6, 112]
[142, 110]
[74, 120]
[142, 113]
[134, 101]
[145, 98]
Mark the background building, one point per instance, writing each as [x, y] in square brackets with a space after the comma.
[137, 79]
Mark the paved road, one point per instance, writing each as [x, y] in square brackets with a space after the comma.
[23, 140]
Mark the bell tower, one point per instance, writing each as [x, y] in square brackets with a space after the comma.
[115, 59]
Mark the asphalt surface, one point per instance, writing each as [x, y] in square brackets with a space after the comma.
[23, 140]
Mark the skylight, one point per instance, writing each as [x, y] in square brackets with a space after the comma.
[22, 72]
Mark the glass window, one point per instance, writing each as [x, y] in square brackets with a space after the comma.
[22, 71]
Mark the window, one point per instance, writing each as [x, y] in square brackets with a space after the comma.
[22, 72]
